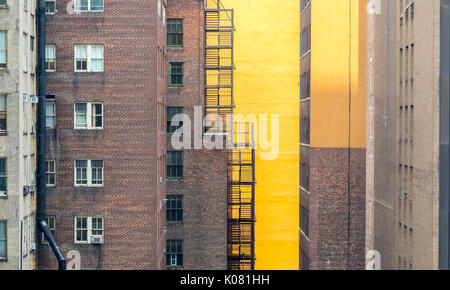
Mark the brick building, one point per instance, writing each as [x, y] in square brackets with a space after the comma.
[332, 134]
[106, 89]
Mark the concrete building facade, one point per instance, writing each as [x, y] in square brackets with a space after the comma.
[17, 134]
[407, 181]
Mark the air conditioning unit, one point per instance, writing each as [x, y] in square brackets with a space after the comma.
[35, 99]
[26, 190]
[26, 98]
[33, 247]
[97, 240]
[3, 194]
[31, 189]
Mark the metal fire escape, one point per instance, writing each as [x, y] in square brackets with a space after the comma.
[219, 78]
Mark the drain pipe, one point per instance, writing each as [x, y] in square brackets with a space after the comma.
[42, 226]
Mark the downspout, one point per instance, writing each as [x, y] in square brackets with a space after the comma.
[42, 226]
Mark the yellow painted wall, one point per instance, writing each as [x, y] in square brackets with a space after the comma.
[267, 49]
[330, 75]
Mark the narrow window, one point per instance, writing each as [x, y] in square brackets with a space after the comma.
[81, 58]
[3, 177]
[81, 230]
[50, 109]
[174, 32]
[51, 222]
[175, 209]
[81, 167]
[3, 240]
[97, 172]
[97, 226]
[171, 113]
[174, 257]
[176, 74]
[50, 58]
[174, 164]
[51, 173]
[3, 48]
[3, 115]
[25, 52]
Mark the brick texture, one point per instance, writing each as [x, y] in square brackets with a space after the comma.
[336, 243]
[132, 89]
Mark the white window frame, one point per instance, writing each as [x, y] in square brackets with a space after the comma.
[89, 116]
[89, 57]
[50, 172]
[159, 8]
[164, 14]
[77, 7]
[47, 58]
[89, 229]
[89, 174]
[50, 13]
[53, 116]
[51, 228]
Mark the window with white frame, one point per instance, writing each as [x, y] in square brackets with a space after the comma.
[86, 228]
[51, 223]
[3, 49]
[89, 5]
[88, 173]
[50, 6]
[51, 173]
[50, 57]
[88, 58]
[88, 116]
[50, 115]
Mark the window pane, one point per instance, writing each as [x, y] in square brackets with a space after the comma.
[2, 103]
[96, 5]
[2, 47]
[2, 166]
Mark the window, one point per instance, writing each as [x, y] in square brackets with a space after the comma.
[89, 173]
[51, 222]
[304, 221]
[50, 58]
[89, 5]
[175, 32]
[3, 177]
[3, 115]
[2, 2]
[171, 113]
[25, 5]
[159, 8]
[51, 173]
[25, 52]
[50, 6]
[176, 74]
[175, 209]
[164, 14]
[32, 53]
[89, 58]
[3, 48]
[81, 230]
[174, 164]
[25, 236]
[50, 115]
[88, 227]
[174, 258]
[88, 116]
[3, 240]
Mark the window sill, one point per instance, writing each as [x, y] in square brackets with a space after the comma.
[175, 47]
[3, 133]
[89, 186]
[4, 69]
[4, 196]
[175, 87]
[174, 179]
[3, 260]
[91, 129]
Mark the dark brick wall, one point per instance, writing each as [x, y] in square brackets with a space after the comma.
[204, 184]
[335, 244]
[132, 89]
